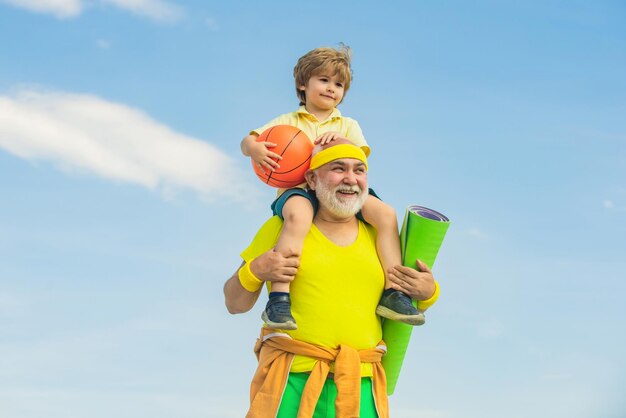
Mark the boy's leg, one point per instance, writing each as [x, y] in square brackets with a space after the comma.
[394, 304]
[297, 214]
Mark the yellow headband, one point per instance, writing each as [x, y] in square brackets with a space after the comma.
[336, 152]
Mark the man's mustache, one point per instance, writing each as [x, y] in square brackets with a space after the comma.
[345, 188]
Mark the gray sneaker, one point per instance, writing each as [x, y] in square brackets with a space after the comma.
[277, 313]
[398, 306]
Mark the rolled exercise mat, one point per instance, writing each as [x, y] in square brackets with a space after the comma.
[421, 236]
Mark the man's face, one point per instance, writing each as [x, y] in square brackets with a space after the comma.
[341, 186]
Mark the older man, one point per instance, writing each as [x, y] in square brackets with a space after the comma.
[338, 275]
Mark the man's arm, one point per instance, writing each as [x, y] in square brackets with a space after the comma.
[268, 267]
[236, 297]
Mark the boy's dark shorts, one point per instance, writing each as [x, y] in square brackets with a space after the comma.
[279, 203]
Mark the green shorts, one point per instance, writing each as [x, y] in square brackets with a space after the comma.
[326, 404]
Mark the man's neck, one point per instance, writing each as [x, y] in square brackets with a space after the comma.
[343, 231]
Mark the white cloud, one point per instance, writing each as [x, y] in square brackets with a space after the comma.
[609, 204]
[490, 328]
[211, 23]
[158, 10]
[476, 233]
[85, 133]
[59, 8]
[103, 44]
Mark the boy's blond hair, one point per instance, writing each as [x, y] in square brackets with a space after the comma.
[323, 60]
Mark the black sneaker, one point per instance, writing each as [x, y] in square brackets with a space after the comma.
[398, 306]
[277, 313]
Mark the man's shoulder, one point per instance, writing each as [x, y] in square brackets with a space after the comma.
[265, 238]
[369, 230]
[270, 226]
[273, 222]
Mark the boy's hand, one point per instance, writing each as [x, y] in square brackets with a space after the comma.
[328, 137]
[262, 156]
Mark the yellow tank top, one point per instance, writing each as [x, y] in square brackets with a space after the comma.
[335, 293]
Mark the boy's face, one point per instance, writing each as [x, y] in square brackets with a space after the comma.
[323, 92]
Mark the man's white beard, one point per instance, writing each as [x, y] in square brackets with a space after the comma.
[337, 206]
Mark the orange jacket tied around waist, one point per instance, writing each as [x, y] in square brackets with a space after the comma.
[275, 352]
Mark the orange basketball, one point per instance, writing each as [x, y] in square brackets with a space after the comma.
[295, 148]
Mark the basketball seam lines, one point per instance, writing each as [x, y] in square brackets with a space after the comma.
[269, 177]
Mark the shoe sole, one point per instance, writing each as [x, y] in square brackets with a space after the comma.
[414, 320]
[288, 326]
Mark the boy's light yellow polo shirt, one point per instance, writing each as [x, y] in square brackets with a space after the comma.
[313, 128]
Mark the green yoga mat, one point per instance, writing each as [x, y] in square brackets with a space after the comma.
[421, 236]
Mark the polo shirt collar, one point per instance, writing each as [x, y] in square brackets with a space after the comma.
[302, 110]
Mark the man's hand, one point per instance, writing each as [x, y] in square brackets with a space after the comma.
[272, 266]
[418, 284]
[328, 137]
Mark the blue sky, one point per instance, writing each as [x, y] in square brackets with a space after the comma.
[126, 202]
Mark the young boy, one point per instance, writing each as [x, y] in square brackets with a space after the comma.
[322, 77]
